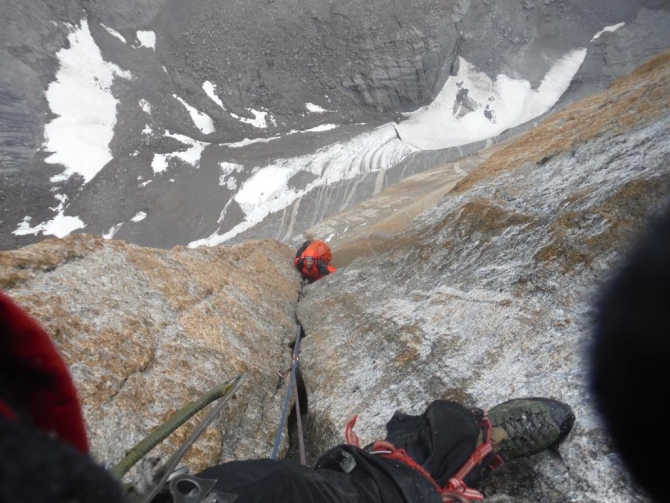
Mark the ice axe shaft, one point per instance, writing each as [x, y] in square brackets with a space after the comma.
[223, 391]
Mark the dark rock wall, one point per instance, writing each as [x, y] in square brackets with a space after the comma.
[387, 56]
[363, 62]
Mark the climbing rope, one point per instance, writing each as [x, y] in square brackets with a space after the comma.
[231, 388]
[221, 392]
[301, 443]
[292, 385]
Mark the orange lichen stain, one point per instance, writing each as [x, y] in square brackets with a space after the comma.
[18, 266]
[572, 245]
[485, 217]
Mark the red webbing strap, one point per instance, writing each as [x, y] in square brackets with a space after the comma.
[455, 490]
[498, 462]
[484, 449]
[456, 484]
[349, 436]
[390, 451]
[464, 494]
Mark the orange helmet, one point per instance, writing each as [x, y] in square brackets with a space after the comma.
[320, 250]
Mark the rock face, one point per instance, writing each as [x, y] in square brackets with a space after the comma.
[403, 84]
[146, 331]
[356, 64]
[389, 56]
[487, 296]
[472, 282]
[519, 32]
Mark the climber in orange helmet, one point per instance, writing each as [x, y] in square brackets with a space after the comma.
[313, 260]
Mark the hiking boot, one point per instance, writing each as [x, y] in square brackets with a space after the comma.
[526, 426]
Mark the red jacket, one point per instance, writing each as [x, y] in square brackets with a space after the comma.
[43, 444]
[43, 388]
[318, 270]
[320, 252]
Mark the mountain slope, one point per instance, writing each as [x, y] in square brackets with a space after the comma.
[478, 294]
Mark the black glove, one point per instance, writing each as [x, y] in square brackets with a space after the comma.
[323, 267]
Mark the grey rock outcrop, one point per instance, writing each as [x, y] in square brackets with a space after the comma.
[147, 331]
[389, 56]
[403, 84]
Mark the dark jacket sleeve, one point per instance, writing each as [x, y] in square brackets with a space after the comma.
[271, 481]
[323, 267]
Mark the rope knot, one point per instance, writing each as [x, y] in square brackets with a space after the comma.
[456, 485]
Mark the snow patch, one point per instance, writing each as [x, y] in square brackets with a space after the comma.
[60, 226]
[160, 162]
[114, 33]
[81, 97]
[202, 121]
[268, 190]
[260, 119]
[311, 107]
[147, 39]
[112, 231]
[210, 90]
[146, 106]
[190, 156]
[612, 28]
[139, 217]
[471, 107]
[228, 168]
[248, 141]
[322, 127]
